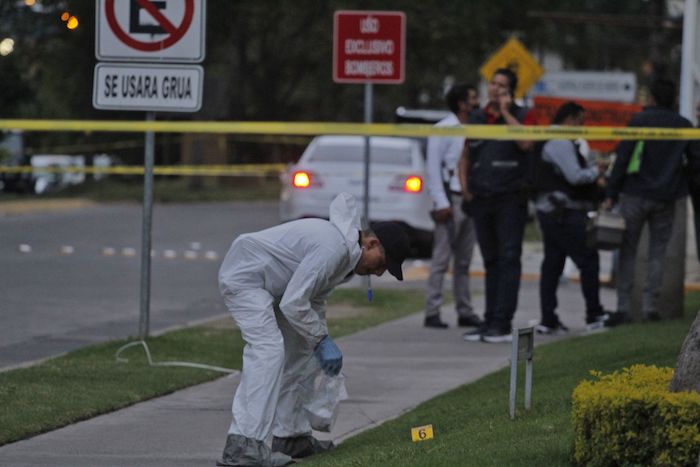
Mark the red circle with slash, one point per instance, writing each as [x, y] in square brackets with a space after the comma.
[175, 33]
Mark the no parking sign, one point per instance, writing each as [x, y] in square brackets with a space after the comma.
[150, 30]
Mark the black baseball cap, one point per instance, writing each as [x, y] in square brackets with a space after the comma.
[396, 244]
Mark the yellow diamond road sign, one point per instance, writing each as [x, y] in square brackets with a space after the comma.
[515, 56]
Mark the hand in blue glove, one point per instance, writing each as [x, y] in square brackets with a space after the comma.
[329, 356]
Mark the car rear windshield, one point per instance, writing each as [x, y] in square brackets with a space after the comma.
[379, 155]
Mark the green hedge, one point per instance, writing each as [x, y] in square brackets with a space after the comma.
[630, 418]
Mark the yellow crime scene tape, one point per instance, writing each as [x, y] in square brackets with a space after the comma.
[499, 132]
[203, 170]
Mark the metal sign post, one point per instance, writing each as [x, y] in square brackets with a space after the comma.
[523, 349]
[365, 212]
[149, 157]
[368, 119]
[164, 32]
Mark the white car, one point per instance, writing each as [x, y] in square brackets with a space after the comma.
[335, 164]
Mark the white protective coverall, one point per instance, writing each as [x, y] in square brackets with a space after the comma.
[275, 283]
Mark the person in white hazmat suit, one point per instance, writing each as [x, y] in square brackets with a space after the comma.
[275, 283]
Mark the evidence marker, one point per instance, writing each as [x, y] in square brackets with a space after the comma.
[421, 433]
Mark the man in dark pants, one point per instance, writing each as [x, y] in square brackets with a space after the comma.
[494, 175]
[649, 177]
[567, 188]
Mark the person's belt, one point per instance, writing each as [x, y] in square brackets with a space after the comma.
[455, 193]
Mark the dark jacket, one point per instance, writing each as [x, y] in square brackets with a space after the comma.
[496, 167]
[662, 173]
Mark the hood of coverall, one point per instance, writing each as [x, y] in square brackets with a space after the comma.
[345, 215]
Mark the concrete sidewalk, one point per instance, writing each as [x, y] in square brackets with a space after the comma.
[390, 369]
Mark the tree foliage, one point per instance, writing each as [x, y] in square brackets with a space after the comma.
[271, 60]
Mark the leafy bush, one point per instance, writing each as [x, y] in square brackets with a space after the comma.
[630, 418]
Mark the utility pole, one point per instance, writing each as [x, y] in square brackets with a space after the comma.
[690, 61]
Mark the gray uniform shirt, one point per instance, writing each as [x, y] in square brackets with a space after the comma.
[562, 154]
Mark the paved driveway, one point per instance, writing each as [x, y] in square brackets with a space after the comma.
[80, 282]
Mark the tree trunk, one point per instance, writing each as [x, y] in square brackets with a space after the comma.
[687, 374]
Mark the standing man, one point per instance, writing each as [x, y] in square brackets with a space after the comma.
[494, 175]
[648, 178]
[275, 283]
[454, 234]
[568, 188]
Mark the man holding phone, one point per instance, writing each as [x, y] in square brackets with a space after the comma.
[494, 175]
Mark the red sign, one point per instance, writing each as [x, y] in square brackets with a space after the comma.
[150, 30]
[175, 33]
[598, 113]
[369, 46]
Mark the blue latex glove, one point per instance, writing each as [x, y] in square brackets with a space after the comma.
[329, 356]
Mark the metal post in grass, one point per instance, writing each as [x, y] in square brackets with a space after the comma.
[522, 349]
[146, 231]
[365, 216]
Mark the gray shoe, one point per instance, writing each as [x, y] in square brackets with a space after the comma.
[497, 334]
[474, 335]
[556, 329]
[301, 446]
[247, 452]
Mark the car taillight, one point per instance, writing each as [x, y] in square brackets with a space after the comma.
[303, 179]
[413, 184]
[407, 184]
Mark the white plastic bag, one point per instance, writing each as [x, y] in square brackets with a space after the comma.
[322, 406]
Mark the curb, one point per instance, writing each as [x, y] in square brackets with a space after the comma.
[33, 206]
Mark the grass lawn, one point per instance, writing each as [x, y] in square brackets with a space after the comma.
[88, 382]
[471, 423]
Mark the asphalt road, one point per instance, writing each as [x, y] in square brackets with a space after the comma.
[71, 290]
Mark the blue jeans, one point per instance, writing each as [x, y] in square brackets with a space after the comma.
[500, 224]
[564, 234]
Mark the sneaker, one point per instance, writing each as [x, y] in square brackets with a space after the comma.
[434, 322]
[300, 446]
[474, 335]
[615, 319]
[471, 321]
[556, 329]
[494, 335]
[597, 320]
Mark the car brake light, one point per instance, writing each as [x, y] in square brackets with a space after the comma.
[407, 184]
[413, 184]
[303, 179]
